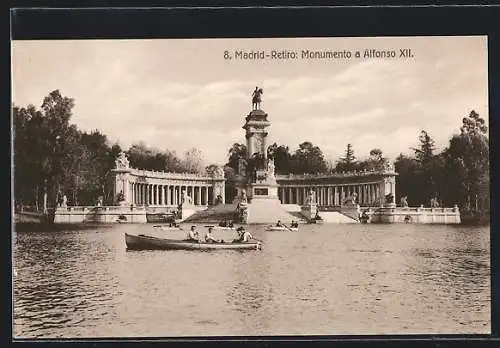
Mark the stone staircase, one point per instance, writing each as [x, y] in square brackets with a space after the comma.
[214, 214]
[337, 217]
[264, 211]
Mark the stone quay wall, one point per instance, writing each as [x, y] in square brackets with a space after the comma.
[103, 214]
[415, 215]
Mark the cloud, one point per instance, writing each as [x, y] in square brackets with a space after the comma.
[181, 93]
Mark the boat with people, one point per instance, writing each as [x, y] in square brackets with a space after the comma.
[215, 227]
[168, 227]
[294, 226]
[281, 228]
[144, 242]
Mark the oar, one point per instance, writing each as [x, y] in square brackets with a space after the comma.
[287, 227]
[258, 240]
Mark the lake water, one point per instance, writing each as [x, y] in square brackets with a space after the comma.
[324, 280]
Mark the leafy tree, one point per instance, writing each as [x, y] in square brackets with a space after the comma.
[308, 158]
[468, 165]
[236, 152]
[282, 158]
[193, 161]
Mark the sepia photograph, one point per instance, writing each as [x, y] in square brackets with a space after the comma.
[250, 187]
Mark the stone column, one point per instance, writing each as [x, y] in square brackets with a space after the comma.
[198, 195]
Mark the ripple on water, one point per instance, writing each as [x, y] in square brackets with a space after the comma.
[335, 279]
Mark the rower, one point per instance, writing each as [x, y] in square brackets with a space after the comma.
[230, 224]
[223, 223]
[209, 238]
[192, 234]
[279, 224]
[294, 224]
[244, 236]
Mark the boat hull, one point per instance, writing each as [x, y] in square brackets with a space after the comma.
[142, 242]
[279, 228]
[168, 228]
[221, 227]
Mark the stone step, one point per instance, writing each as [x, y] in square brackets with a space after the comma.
[263, 211]
[336, 217]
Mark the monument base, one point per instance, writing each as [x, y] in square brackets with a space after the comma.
[186, 210]
[267, 209]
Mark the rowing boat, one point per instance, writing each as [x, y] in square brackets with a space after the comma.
[142, 242]
[168, 228]
[221, 227]
[281, 228]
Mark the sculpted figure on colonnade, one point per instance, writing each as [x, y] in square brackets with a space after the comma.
[122, 161]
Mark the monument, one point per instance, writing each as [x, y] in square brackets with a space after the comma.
[258, 188]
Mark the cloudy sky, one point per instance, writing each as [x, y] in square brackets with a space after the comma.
[179, 94]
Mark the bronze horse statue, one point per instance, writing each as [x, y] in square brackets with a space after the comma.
[257, 98]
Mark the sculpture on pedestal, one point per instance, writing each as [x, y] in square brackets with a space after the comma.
[120, 197]
[121, 161]
[186, 199]
[311, 197]
[257, 98]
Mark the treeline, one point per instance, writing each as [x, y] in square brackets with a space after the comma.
[53, 155]
[308, 159]
[457, 175]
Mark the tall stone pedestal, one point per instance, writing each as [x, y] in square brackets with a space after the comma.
[309, 210]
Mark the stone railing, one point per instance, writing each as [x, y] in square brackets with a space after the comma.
[172, 175]
[94, 208]
[333, 175]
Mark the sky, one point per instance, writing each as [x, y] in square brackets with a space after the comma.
[178, 94]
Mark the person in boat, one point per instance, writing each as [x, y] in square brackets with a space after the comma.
[294, 224]
[192, 234]
[230, 224]
[223, 223]
[317, 217]
[279, 224]
[243, 236]
[209, 238]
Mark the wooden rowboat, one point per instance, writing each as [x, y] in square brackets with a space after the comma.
[281, 228]
[142, 242]
[168, 228]
[221, 227]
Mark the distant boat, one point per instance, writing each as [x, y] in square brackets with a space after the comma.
[122, 219]
[168, 228]
[221, 227]
[280, 228]
[142, 242]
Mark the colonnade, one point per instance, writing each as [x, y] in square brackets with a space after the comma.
[165, 195]
[331, 194]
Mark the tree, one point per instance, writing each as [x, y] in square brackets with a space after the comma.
[348, 162]
[468, 165]
[425, 151]
[308, 158]
[376, 161]
[236, 152]
[282, 158]
[193, 161]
